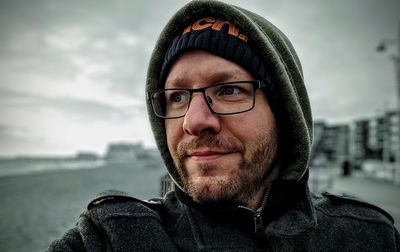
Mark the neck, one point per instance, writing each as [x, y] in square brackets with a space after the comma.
[256, 201]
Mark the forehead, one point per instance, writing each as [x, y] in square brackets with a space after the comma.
[200, 68]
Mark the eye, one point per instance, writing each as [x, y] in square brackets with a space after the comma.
[177, 97]
[229, 90]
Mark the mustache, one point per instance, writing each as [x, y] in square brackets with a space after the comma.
[209, 141]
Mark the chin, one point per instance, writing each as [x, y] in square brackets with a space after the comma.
[210, 189]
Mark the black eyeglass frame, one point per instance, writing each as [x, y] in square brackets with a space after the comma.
[257, 84]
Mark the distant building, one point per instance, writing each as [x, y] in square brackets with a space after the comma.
[123, 152]
[335, 142]
[330, 142]
[318, 133]
[131, 152]
[358, 141]
[391, 137]
[375, 138]
[148, 154]
[87, 156]
[376, 135]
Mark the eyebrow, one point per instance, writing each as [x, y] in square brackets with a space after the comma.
[215, 78]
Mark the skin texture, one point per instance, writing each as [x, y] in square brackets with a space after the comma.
[221, 157]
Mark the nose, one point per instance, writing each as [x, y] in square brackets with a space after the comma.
[199, 118]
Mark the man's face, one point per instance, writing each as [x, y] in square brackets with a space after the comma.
[219, 157]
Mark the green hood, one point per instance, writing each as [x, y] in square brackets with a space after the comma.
[291, 105]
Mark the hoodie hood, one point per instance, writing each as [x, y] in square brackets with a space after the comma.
[290, 103]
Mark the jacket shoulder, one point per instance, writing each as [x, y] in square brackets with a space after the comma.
[342, 206]
[113, 196]
[113, 204]
[345, 223]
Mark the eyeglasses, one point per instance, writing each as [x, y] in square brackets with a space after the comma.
[223, 98]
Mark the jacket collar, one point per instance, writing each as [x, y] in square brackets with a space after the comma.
[291, 208]
[288, 210]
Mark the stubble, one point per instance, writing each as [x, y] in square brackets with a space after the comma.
[251, 175]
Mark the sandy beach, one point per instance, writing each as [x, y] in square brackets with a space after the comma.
[38, 208]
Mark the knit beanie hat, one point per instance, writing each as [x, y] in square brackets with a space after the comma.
[219, 37]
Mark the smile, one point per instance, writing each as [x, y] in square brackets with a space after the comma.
[206, 156]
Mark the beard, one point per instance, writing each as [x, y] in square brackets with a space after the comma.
[250, 174]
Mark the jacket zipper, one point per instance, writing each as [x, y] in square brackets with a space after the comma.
[257, 215]
[258, 223]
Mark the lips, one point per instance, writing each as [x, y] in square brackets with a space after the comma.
[206, 155]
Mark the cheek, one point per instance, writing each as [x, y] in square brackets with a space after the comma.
[265, 119]
[251, 127]
[172, 130]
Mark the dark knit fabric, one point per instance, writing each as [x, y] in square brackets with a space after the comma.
[219, 41]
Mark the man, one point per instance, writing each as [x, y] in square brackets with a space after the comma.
[232, 120]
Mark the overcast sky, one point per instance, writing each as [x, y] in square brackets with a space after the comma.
[72, 73]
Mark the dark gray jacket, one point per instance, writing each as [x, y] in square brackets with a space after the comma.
[117, 222]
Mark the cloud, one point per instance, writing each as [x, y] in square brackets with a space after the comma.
[83, 110]
[4, 133]
[13, 139]
[39, 125]
[69, 39]
[46, 40]
[72, 73]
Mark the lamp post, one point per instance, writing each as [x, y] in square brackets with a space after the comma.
[396, 59]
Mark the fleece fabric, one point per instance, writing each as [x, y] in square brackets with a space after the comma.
[289, 99]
